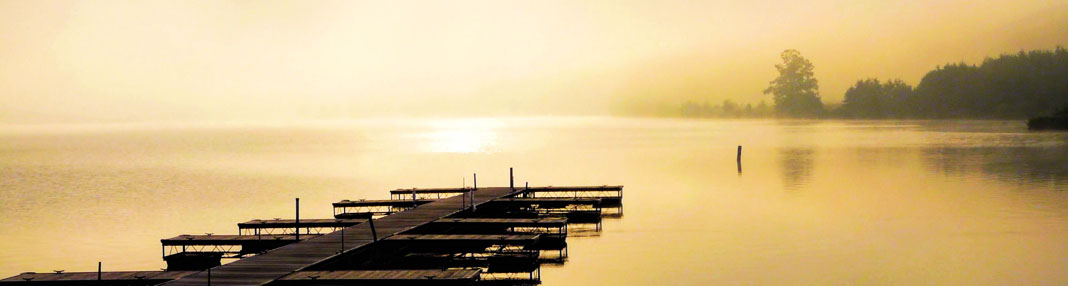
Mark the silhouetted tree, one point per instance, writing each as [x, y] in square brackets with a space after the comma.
[795, 91]
[870, 98]
[1062, 112]
[730, 109]
[763, 110]
[1009, 86]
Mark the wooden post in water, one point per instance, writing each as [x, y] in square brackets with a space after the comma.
[209, 276]
[296, 223]
[99, 272]
[511, 179]
[739, 160]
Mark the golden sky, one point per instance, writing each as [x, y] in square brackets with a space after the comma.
[78, 61]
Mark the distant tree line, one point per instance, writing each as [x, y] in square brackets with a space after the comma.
[869, 98]
[795, 93]
[728, 109]
[1007, 87]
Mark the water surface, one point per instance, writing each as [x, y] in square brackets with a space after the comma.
[816, 202]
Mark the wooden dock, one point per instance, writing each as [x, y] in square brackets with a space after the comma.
[260, 225]
[434, 277]
[96, 278]
[423, 239]
[262, 269]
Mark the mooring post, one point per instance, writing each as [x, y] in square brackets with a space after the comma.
[511, 179]
[99, 272]
[374, 234]
[342, 236]
[296, 222]
[209, 276]
[473, 192]
[739, 160]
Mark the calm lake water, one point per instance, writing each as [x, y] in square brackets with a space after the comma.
[817, 202]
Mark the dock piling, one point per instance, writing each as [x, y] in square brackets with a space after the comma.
[99, 272]
[511, 179]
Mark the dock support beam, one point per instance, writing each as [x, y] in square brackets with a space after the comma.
[99, 270]
[511, 179]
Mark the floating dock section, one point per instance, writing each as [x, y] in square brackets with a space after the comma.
[289, 226]
[436, 236]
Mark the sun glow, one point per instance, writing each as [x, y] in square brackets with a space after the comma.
[462, 136]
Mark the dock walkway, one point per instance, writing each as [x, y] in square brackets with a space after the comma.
[264, 268]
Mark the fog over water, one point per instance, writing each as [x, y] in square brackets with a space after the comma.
[117, 61]
[817, 202]
[122, 123]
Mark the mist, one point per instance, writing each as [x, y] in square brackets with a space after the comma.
[110, 61]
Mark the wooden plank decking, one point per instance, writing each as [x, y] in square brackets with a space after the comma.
[264, 268]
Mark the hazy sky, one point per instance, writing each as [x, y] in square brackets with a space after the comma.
[76, 61]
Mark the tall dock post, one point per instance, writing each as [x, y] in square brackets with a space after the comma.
[473, 192]
[511, 179]
[99, 272]
[374, 234]
[296, 222]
